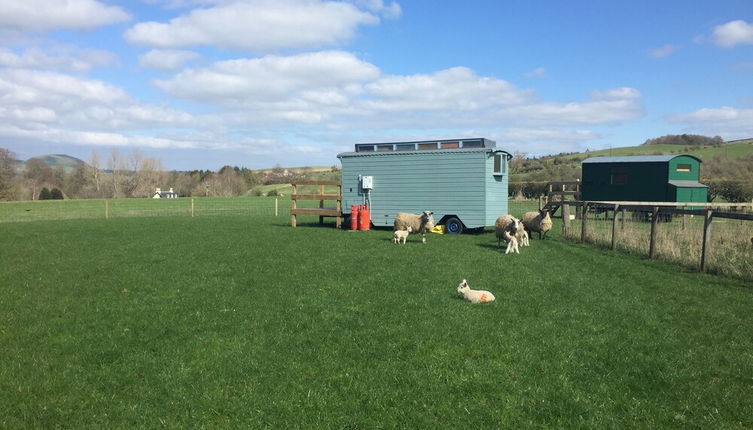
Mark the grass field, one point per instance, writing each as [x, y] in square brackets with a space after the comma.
[244, 322]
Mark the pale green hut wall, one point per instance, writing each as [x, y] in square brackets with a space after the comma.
[447, 182]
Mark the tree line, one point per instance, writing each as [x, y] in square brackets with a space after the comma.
[131, 175]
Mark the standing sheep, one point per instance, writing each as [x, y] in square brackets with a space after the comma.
[510, 229]
[539, 222]
[419, 223]
[399, 235]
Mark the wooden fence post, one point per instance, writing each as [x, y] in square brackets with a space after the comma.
[614, 225]
[654, 222]
[565, 218]
[584, 222]
[107, 209]
[192, 208]
[293, 206]
[706, 237]
[622, 219]
[275, 206]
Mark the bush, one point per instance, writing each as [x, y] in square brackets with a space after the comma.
[56, 194]
[45, 194]
[272, 193]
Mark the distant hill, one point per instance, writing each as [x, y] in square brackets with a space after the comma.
[567, 166]
[70, 164]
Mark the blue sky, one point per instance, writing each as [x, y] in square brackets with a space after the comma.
[204, 83]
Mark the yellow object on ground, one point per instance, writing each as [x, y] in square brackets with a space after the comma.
[438, 229]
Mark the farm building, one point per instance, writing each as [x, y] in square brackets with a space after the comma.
[463, 181]
[649, 178]
[162, 194]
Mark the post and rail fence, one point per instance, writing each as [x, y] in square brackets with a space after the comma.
[656, 212]
[321, 211]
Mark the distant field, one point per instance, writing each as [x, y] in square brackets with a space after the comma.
[241, 321]
[117, 208]
[731, 151]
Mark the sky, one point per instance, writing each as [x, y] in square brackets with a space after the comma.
[201, 84]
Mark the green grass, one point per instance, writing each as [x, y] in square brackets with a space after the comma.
[244, 322]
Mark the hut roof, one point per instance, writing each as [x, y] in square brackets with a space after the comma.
[637, 158]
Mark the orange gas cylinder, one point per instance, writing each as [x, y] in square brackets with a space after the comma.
[364, 218]
[354, 217]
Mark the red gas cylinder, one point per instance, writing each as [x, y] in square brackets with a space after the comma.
[354, 217]
[364, 218]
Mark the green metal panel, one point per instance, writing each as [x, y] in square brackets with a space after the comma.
[447, 182]
[684, 167]
[641, 178]
[641, 181]
[688, 194]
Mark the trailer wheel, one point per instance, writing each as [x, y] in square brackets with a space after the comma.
[453, 226]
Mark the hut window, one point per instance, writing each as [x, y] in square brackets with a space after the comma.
[427, 146]
[365, 148]
[383, 148]
[499, 165]
[450, 145]
[619, 176]
[405, 147]
[471, 144]
[683, 167]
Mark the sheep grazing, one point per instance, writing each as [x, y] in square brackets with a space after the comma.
[399, 235]
[419, 223]
[539, 222]
[510, 229]
[474, 296]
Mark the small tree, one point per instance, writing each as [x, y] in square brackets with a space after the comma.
[56, 194]
[45, 194]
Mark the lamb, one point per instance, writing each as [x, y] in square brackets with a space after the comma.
[419, 223]
[539, 222]
[474, 296]
[509, 228]
[401, 235]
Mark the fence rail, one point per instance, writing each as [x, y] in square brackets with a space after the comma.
[661, 215]
[51, 210]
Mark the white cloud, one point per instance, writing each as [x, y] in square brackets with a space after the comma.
[726, 121]
[45, 15]
[319, 78]
[537, 73]
[733, 33]
[54, 107]
[458, 88]
[392, 10]
[257, 26]
[67, 59]
[166, 59]
[662, 51]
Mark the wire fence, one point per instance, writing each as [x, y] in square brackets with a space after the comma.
[718, 241]
[51, 210]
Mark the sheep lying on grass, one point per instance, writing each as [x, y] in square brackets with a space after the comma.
[419, 223]
[510, 229]
[474, 296]
[539, 222]
[399, 235]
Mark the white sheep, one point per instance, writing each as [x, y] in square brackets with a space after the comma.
[522, 236]
[510, 229]
[474, 296]
[539, 222]
[399, 235]
[419, 223]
